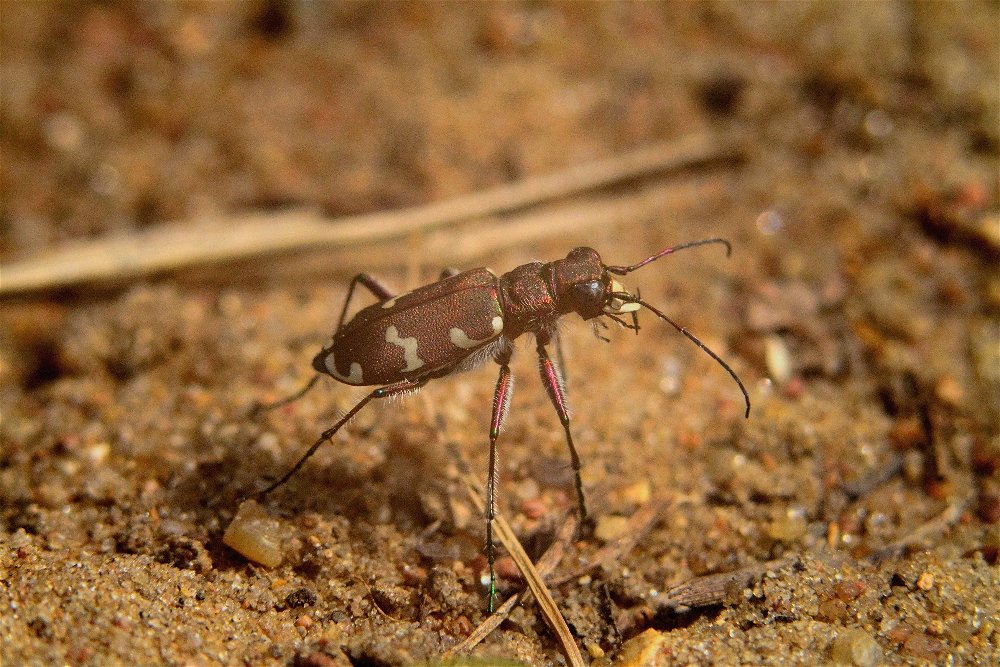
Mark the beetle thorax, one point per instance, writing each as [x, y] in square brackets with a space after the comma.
[527, 299]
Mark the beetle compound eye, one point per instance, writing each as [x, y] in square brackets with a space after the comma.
[587, 298]
[588, 292]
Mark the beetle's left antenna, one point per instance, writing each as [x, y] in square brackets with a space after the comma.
[259, 408]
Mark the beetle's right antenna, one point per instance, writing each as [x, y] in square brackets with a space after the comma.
[705, 348]
[623, 270]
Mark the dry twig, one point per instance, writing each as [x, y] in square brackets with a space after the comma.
[922, 534]
[534, 580]
[571, 222]
[545, 565]
[713, 589]
[179, 246]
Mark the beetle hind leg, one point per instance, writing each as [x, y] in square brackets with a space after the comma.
[388, 391]
[259, 407]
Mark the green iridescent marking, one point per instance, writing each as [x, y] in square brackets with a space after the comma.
[492, 596]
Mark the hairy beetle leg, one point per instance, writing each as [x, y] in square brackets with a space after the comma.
[501, 402]
[557, 394]
[397, 389]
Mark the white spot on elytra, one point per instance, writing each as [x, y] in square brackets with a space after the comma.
[462, 340]
[355, 376]
[409, 345]
[390, 303]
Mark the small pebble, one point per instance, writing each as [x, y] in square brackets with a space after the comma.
[642, 650]
[778, 358]
[833, 610]
[533, 508]
[907, 433]
[255, 535]
[507, 569]
[849, 589]
[923, 646]
[988, 508]
[610, 527]
[787, 529]
[795, 387]
[949, 390]
[925, 581]
[317, 659]
[854, 646]
[638, 493]
[301, 597]
[414, 574]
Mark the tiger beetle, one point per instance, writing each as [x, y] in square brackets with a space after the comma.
[464, 319]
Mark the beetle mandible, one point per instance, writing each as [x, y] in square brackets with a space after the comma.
[402, 342]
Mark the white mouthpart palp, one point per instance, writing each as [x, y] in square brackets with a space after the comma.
[615, 305]
[619, 307]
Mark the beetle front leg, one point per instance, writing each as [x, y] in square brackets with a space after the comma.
[373, 285]
[557, 394]
[501, 403]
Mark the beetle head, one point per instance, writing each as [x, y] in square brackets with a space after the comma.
[583, 285]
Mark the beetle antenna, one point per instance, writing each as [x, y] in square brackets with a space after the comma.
[635, 313]
[705, 348]
[623, 270]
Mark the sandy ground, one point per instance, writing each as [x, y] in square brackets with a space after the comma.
[860, 307]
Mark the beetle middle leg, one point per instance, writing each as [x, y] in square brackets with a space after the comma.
[557, 394]
[388, 391]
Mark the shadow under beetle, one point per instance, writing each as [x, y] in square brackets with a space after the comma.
[404, 341]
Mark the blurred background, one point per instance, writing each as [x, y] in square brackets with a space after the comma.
[170, 174]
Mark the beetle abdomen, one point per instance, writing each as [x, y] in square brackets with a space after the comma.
[426, 331]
